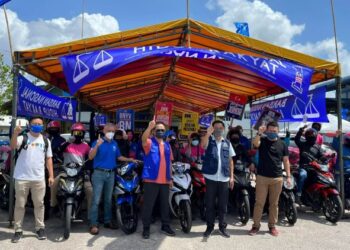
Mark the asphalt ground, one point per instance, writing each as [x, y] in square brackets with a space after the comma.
[311, 231]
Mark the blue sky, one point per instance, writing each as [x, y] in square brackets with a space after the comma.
[304, 25]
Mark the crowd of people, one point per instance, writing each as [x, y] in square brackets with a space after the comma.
[38, 155]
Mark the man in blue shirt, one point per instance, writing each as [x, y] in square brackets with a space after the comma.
[105, 153]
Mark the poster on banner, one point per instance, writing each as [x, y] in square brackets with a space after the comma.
[206, 120]
[266, 116]
[100, 120]
[189, 123]
[163, 112]
[34, 101]
[235, 106]
[293, 109]
[125, 119]
[82, 69]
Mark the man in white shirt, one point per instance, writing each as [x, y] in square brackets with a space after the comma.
[218, 173]
[35, 153]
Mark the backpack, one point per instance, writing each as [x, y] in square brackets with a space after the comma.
[24, 145]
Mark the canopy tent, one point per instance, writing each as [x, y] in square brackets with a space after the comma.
[190, 84]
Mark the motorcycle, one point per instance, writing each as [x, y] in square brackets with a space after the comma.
[199, 188]
[287, 200]
[127, 193]
[5, 151]
[180, 193]
[70, 194]
[240, 194]
[320, 190]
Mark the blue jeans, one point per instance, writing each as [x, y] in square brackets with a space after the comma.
[101, 182]
[301, 180]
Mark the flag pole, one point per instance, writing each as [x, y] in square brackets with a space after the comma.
[8, 33]
[188, 24]
[339, 108]
[82, 19]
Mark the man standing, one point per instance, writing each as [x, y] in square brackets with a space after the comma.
[34, 153]
[218, 173]
[272, 152]
[157, 176]
[105, 153]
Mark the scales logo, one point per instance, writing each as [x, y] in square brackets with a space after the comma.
[81, 70]
[309, 112]
[67, 111]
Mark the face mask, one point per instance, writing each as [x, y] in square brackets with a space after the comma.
[36, 128]
[78, 139]
[195, 143]
[160, 134]
[271, 135]
[110, 135]
[53, 132]
[218, 133]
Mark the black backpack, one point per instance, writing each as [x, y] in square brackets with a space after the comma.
[24, 145]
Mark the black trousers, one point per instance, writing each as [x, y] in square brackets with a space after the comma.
[216, 190]
[151, 192]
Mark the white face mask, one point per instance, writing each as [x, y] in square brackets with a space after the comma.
[110, 135]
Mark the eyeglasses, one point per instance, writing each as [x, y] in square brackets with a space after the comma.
[160, 130]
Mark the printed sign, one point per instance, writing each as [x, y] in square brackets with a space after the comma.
[206, 120]
[100, 120]
[163, 112]
[125, 119]
[235, 106]
[33, 101]
[266, 116]
[189, 123]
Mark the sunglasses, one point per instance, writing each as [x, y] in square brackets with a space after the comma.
[78, 133]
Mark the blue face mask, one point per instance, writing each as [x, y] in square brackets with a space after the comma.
[36, 128]
[271, 135]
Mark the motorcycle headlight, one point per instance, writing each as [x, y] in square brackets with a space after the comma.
[324, 167]
[70, 186]
[71, 172]
[123, 169]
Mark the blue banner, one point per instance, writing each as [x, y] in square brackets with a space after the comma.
[100, 120]
[293, 109]
[82, 69]
[242, 29]
[33, 100]
[206, 120]
[125, 119]
[2, 2]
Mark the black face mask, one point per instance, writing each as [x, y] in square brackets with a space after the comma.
[78, 139]
[53, 132]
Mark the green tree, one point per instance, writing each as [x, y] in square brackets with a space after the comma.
[6, 86]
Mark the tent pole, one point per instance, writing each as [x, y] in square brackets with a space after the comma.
[79, 110]
[188, 24]
[13, 125]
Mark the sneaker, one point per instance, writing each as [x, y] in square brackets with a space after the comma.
[253, 231]
[16, 237]
[208, 232]
[223, 232]
[168, 231]
[110, 225]
[273, 231]
[145, 233]
[298, 199]
[94, 230]
[41, 234]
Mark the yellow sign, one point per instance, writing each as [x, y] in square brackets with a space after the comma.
[189, 123]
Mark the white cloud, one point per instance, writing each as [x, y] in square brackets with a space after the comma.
[39, 33]
[275, 27]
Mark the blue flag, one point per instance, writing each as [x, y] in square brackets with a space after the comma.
[33, 100]
[293, 109]
[2, 2]
[242, 29]
[82, 69]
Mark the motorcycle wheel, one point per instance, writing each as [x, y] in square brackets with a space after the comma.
[333, 208]
[244, 210]
[68, 221]
[185, 216]
[4, 197]
[127, 218]
[291, 212]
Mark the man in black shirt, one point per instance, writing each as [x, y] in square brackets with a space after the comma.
[272, 152]
[309, 146]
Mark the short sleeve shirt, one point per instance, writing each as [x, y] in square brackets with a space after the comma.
[30, 165]
[107, 155]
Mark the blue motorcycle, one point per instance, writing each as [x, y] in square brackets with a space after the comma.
[126, 195]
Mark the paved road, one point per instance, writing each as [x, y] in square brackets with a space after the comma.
[311, 231]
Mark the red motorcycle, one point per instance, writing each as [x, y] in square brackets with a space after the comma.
[320, 190]
[199, 187]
